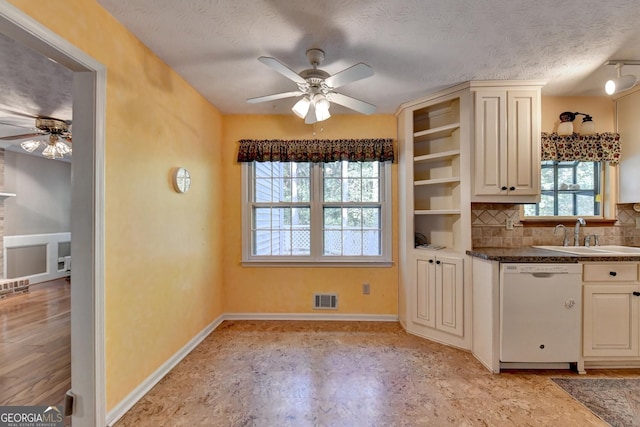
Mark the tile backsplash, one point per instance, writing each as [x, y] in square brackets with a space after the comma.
[488, 228]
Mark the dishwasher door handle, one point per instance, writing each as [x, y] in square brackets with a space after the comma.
[543, 275]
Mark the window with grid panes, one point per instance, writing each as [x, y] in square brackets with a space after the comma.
[568, 188]
[317, 212]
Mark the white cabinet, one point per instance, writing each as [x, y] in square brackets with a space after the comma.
[506, 157]
[611, 294]
[439, 294]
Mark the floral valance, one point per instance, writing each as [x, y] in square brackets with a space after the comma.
[587, 148]
[316, 150]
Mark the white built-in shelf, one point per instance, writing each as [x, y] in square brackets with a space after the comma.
[5, 195]
[436, 133]
[451, 179]
[437, 212]
[437, 156]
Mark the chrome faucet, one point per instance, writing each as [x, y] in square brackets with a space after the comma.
[565, 239]
[576, 231]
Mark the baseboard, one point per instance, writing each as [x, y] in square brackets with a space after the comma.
[132, 398]
[313, 316]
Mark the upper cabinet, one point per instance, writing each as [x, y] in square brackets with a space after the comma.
[506, 148]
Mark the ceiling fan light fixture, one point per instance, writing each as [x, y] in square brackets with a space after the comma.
[322, 108]
[30, 146]
[301, 108]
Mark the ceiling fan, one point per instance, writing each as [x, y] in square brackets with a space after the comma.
[316, 87]
[60, 138]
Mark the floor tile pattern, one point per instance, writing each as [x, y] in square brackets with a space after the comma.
[279, 373]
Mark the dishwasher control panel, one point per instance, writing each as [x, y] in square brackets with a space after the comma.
[541, 268]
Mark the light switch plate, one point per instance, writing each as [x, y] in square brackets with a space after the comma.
[638, 222]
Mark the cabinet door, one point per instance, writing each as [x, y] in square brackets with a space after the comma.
[490, 157]
[449, 295]
[610, 320]
[424, 311]
[523, 143]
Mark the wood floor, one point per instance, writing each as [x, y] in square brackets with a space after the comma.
[35, 345]
[352, 374]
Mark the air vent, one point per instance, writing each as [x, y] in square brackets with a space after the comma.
[325, 301]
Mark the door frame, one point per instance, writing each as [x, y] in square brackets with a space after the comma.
[88, 379]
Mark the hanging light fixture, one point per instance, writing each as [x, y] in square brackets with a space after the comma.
[59, 138]
[301, 108]
[322, 108]
[565, 128]
[55, 148]
[621, 82]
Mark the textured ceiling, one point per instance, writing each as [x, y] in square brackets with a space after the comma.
[414, 46]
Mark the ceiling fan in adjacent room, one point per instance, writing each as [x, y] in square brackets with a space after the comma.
[316, 87]
[59, 141]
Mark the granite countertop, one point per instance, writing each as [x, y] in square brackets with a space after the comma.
[529, 254]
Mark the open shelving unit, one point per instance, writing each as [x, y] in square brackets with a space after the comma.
[436, 172]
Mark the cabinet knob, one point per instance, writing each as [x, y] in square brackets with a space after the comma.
[636, 294]
[430, 261]
[613, 273]
[512, 188]
[503, 188]
[437, 262]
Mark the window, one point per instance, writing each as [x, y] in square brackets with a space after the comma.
[317, 212]
[568, 188]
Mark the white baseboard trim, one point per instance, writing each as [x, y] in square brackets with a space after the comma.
[132, 398]
[313, 316]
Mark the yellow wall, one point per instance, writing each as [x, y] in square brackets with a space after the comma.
[601, 108]
[163, 254]
[291, 289]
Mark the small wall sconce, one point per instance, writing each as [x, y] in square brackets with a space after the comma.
[565, 127]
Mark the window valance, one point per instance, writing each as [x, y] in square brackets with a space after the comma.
[316, 150]
[587, 148]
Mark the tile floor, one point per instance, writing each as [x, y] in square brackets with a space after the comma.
[278, 373]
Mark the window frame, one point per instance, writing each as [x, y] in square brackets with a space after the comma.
[607, 201]
[316, 258]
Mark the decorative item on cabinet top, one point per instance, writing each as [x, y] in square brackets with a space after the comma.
[566, 124]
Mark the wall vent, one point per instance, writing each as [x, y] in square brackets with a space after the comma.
[325, 301]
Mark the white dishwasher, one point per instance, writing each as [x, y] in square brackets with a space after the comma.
[540, 314]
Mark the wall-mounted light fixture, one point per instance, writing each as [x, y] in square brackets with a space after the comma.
[621, 82]
[565, 127]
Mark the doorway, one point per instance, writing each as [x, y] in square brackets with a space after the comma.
[87, 210]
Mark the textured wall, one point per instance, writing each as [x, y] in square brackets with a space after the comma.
[43, 195]
[163, 250]
[290, 289]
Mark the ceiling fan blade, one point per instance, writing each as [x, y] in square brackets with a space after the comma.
[357, 72]
[352, 103]
[23, 136]
[282, 69]
[274, 97]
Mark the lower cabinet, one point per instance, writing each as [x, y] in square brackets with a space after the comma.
[611, 317]
[611, 320]
[439, 299]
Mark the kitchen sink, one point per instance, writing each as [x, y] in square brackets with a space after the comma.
[607, 250]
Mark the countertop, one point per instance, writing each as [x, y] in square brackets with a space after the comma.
[529, 254]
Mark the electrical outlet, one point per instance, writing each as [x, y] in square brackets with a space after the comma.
[366, 289]
[638, 222]
[509, 224]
